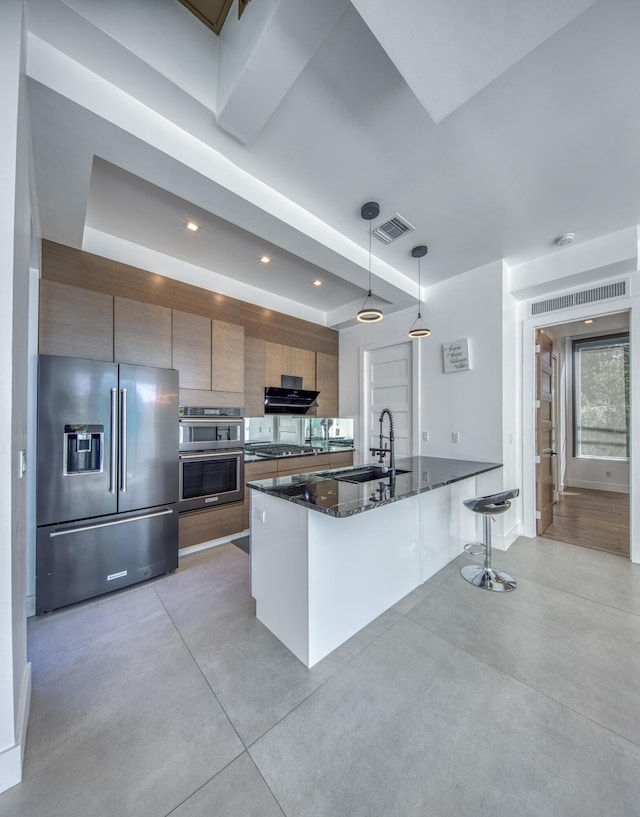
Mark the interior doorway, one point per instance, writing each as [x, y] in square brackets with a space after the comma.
[388, 383]
[582, 433]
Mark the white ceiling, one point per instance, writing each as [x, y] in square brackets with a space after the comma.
[537, 134]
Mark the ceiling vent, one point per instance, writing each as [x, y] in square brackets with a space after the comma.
[392, 229]
[585, 296]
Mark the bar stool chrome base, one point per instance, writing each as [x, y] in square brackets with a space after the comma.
[484, 576]
[488, 579]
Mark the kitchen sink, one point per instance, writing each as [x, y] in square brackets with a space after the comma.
[368, 474]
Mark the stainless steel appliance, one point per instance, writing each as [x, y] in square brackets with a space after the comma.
[282, 450]
[107, 482]
[279, 400]
[202, 429]
[211, 458]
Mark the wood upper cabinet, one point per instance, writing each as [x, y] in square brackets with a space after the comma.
[191, 350]
[141, 333]
[327, 384]
[280, 359]
[227, 356]
[254, 377]
[75, 322]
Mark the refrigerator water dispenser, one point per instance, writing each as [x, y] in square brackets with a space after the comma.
[83, 449]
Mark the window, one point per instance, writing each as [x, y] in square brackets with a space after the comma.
[601, 397]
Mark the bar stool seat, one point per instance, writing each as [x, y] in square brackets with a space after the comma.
[484, 576]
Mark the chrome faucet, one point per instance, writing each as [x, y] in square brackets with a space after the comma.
[382, 452]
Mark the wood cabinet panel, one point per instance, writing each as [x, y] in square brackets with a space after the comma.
[227, 357]
[254, 377]
[341, 459]
[213, 523]
[141, 333]
[327, 385]
[191, 350]
[225, 399]
[260, 470]
[67, 265]
[75, 322]
[303, 465]
[280, 359]
[278, 328]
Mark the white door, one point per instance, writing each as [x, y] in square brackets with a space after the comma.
[388, 384]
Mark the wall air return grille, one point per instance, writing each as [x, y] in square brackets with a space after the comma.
[585, 296]
[392, 229]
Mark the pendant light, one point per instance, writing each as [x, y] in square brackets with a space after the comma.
[419, 328]
[369, 313]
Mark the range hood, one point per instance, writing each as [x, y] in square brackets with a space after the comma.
[278, 400]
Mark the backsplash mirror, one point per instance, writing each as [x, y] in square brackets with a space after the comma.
[299, 430]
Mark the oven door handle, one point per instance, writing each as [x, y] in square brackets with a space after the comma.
[212, 421]
[200, 456]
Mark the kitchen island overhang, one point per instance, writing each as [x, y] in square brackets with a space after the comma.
[329, 556]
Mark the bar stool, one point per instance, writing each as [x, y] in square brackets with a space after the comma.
[485, 576]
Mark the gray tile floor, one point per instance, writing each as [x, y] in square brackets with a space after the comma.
[170, 698]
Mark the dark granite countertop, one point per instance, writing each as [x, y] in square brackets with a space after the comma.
[319, 448]
[320, 491]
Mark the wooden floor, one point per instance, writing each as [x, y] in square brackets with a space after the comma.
[592, 519]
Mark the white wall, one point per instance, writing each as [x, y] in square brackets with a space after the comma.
[14, 275]
[475, 305]
[470, 402]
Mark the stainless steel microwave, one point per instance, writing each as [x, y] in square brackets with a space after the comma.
[210, 429]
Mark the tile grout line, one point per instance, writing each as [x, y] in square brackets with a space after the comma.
[572, 593]
[206, 680]
[245, 747]
[326, 681]
[523, 682]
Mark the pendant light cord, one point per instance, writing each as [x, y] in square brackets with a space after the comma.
[369, 258]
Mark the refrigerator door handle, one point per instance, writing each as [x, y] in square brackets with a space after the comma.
[114, 441]
[123, 441]
[164, 512]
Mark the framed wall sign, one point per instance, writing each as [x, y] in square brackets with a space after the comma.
[455, 356]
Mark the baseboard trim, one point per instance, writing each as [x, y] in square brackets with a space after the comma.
[212, 543]
[615, 488]
[11, 759]
[503, 541]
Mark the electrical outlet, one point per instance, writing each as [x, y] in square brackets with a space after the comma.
[607, 474]
[455, 436]
[425, 436]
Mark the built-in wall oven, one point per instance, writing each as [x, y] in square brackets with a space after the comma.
[211, 456]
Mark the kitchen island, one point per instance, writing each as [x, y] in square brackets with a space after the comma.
[329, 552]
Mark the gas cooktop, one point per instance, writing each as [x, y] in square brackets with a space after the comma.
[280, 450]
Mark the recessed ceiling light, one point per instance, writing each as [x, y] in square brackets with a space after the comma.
[191, 225]
[564, 239]
[317, 283]
[590, 320]
[265, 259]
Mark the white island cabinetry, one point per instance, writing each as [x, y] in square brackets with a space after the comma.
[318, 577]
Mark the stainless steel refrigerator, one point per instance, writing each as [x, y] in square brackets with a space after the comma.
[107, 479]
